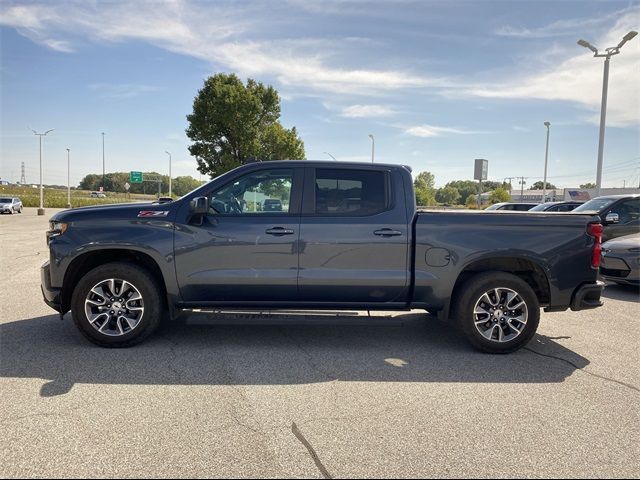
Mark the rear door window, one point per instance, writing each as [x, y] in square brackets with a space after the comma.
[350, 192]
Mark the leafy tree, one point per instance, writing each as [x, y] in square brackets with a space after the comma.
[588, 185]
[472, 201]
[539, 185]
[465, 188]
[499, 195]
[233, 122]
[448, 195]
[424, 188]
[182, 185]
[489, 186]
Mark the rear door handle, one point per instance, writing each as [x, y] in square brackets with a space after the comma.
[387, 232]
[279, 231]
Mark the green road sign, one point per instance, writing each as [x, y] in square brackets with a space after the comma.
[135, 177]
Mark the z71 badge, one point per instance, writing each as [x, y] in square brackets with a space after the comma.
[153, 213]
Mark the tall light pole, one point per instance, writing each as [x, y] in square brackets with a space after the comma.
[41, 209]
[327, 153]
[611, 51]
[68, 178]
[103, 189]
[169, 171]
[546, 158]
[373, 145]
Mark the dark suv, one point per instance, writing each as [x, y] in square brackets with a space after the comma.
[271, 205]
[620, 214]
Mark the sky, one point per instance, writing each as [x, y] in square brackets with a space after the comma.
[437, 83]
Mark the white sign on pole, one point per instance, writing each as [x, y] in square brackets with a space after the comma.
[127, 186]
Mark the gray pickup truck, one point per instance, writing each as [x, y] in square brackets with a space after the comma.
[344, 236]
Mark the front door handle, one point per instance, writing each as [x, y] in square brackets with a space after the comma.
[279, 231]
[387, 232]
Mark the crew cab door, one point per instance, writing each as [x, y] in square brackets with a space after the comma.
[354, 236]
[246, 248]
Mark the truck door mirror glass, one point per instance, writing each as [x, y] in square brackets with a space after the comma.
[612, 218]
[200, 206]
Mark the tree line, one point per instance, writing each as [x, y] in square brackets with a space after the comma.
[115, 182]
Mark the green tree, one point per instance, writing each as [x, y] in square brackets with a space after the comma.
[588, 185]
[424, 188]
[500, 194]
[472, 201]
[539, 185]
[448, 195]
[233, 122]
[465, 188]
[182, 185]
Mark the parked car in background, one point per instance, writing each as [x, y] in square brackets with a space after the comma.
[620, 214]
[556, 206]
[271, 205]
[621, 260]
[10, 205]
[97, 195]
[513, 206]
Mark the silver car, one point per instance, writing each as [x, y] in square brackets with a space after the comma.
[621, 260]
[10, 205]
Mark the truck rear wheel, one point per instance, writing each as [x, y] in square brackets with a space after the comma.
[498, 312]
[117, 305]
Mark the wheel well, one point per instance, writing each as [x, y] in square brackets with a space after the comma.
[527, 270]
[88, 261]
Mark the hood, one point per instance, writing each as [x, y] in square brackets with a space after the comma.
[124, 211]
[623, 243]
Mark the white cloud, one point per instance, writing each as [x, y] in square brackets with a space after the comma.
[125, 90]
[579, 79]
[208, 31]
[367, 111]
[427, 131]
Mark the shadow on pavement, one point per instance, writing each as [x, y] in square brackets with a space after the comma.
[626, 293]
[230, 350]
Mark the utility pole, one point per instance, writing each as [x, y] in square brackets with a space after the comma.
[546, 158]
[103, 189]
[41, 209]
[169, 171]
[522, 182]
[23, 178]
[611, 51]
[68, 178]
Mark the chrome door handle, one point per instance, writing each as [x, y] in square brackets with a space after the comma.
[279, 231]
[387, 232]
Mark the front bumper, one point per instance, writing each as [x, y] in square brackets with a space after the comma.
[51, 295]
[587, 296]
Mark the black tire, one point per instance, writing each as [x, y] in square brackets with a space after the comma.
[469, 294]
[154, 304]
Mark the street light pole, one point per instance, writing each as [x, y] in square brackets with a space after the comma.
[373, 145]
[103, 189]
[169, 171]
[611, 51]
[546, 158]
[68, 178]
[41, 209]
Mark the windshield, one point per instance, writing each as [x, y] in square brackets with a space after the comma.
[494, 206]
[5, 200]
[596, 205]
[539, 208]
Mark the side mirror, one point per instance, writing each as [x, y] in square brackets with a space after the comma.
[200, 206]
[612, 218]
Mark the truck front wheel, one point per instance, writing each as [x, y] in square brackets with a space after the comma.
[498, 312]
[117, 305]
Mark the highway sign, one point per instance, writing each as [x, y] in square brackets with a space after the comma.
[135, 177]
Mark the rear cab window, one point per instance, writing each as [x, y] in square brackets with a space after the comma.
[351, 192]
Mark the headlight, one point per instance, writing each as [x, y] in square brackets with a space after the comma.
[56, 228]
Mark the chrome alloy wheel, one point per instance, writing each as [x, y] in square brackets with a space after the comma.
[114, 307]
[500, 314]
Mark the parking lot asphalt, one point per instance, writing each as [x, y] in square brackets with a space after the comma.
[310, 395]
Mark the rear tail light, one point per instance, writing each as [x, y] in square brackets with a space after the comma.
[595, 230]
